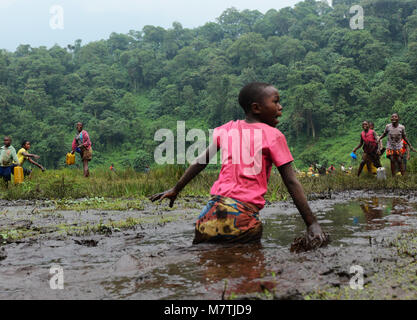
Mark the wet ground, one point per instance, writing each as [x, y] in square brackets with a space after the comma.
[154, 257]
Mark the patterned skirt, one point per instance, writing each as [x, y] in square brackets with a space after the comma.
[87, 154]
[228, 220]
[391, 152]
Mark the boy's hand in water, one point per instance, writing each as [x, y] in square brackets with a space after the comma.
[314, 232]
[170, 194]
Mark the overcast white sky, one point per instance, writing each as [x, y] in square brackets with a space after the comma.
[28, 21]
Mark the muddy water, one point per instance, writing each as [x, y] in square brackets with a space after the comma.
[157, 261]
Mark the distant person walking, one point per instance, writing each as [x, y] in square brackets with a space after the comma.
[7, 157]
[24, 155]
[82, 145]
[396, 133]
[369, 141]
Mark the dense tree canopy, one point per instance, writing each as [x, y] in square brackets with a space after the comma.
[130, 85]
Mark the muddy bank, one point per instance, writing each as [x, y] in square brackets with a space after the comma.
[147, 253]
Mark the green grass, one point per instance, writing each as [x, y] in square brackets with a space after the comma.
[128, 184]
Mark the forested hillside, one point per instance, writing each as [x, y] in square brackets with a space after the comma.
[126, 87]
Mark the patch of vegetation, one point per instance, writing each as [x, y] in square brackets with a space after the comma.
[394, 280]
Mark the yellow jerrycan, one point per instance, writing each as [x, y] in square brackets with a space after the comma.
[18, 174]
[373, 168]
[70, 159]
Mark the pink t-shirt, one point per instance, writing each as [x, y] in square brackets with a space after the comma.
[248, 151]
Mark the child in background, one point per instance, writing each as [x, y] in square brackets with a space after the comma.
[396, 133]
[82, 145]
[23, 155]
[370, 148]
[7, 157]
[238, 195]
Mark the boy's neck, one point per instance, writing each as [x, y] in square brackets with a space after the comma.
[251, 119]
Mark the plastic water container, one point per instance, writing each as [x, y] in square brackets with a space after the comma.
[70, 159]
[353, 156]
[18, 174]
[373, 169]
[381, 174]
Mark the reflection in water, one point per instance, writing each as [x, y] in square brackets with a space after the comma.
[243, 266]
[373, 214]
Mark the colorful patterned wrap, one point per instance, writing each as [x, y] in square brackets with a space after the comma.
[391, 152]
[228, 220]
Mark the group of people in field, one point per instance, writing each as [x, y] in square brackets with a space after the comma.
[9, 158]
[397, 149]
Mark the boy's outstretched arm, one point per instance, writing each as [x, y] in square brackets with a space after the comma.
[199, 165]
[297, 193]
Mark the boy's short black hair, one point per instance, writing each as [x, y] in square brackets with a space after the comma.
[24, 142]
[252, 92]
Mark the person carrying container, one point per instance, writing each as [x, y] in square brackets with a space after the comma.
[7, 157]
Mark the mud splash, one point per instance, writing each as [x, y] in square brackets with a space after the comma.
[153, 258]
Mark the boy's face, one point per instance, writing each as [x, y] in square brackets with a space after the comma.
[79, 126]
[27, 145]
[7, 142]
[394, 118]
[270, 108]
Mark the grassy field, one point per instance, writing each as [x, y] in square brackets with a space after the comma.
[128, 184]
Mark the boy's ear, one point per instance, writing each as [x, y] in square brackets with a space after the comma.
[256, 108]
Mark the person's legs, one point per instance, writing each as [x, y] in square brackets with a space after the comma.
[26, 172]
[368, 162]
[401, 165]
[375, 160]
[361, 167]
[6, 172]
[86, 171]
[405, 163]
[396, 162]
[393, 164]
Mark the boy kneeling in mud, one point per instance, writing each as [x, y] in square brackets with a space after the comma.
[249, 148]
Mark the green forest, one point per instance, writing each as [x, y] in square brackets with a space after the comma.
[128, 86]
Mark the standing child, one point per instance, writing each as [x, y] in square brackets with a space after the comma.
[232, 214]
[395, 132]
[370, 148]
[7, 157]
[82, 144]
[23, 155]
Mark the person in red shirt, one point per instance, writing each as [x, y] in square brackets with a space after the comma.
[238, 195]
[82, 145]
[370, 148]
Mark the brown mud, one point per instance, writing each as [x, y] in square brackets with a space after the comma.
[148, 254]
